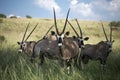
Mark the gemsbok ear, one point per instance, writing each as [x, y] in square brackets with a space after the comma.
[74, 37]
[86, 38]
[52, 33]
[113, 41]
[18, 43]
[67, 33]
[30, 42]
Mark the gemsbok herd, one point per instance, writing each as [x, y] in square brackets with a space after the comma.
[58, 45]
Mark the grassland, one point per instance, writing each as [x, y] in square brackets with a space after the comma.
[14, 66]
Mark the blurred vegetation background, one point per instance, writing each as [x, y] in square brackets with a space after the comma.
[14, 66]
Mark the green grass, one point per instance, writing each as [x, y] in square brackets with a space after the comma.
[14, 66]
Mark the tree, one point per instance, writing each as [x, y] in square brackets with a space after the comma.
[114, 23]
[13, 17]
[28, 16]
[2, 15]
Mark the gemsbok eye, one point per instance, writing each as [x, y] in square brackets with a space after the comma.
[23, 45]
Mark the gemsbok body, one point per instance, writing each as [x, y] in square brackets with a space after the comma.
[99, 51]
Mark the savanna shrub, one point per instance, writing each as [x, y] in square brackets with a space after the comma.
[2, 38]
[2, 15]
[114, 23]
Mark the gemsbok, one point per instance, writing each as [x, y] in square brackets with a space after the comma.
[80, 39]
[63, 48]
[27, 46]
[99, 51]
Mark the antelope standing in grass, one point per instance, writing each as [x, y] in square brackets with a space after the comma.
[27, 46]
[80, 40]
[99, 51]
[63, 48]
[50, 48]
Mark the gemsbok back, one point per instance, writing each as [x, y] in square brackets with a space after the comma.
[99, 51]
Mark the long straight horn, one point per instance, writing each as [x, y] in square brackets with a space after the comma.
[31, 32]
[66, 21]
[49, 29]
[55, 21]
[73, 29]
[110, 33]
[79, 28]
[25, 32]
[104, 32]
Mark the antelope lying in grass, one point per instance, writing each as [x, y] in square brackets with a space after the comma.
[99, 51]
[27, 46]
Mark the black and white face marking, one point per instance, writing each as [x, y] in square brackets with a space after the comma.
[109, 44]
[22, 47]
[80, 42]
[60, 39]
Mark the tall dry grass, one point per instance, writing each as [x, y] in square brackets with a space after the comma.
[14, 66]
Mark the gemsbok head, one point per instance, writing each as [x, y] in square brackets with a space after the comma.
[51, 36]
[79, 36]
[99, 51]
[61, 35]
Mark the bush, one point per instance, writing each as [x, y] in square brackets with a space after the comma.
[27, 16]
[13, 17]
[114, 23]
[2, 15]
